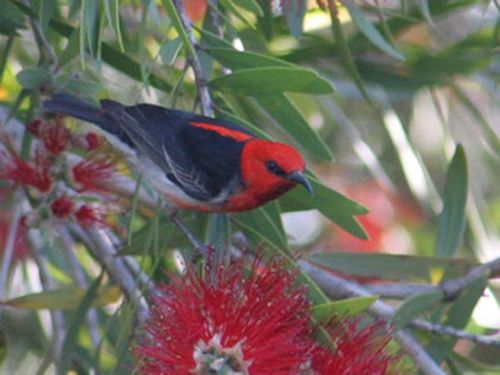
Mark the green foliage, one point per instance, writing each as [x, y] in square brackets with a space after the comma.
[279, 75]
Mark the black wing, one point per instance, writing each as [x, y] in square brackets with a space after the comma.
[202, 162]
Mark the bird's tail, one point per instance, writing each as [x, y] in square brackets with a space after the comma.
[71, 105]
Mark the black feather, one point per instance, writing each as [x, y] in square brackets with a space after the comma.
[201, 162]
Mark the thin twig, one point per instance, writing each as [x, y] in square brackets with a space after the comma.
[491, 340]
[337, 287]
[102, 249]
[199, 75]
[42, 42]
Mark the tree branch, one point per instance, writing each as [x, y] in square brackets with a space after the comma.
[199, 75]
[337, 287]
[101, 248]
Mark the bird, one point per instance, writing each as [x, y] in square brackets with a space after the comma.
[195, 162]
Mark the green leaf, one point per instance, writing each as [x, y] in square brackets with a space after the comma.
[338, 208]
[72, 49]
[346, 307]
[415, 306]
[392, 267]
[89, 28]
[71, 337]
[231, 7]
[3, 347]
[112, 8]
[237, 60]
[67, 298]
[170, 50]
[346, 57]
[32, 78]
[82, 88]
[176, 21]
[370, 31]
[288, 116]
[250, 5]
[275, 80]
[265, 224]
[451, 224]
[11, 19]
[457, 317]
[47, 8]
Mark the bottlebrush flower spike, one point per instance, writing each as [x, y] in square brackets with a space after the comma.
[87, 174]
[359, 351]
[62, 207]
[55, 137]
[228, 323]
[21, 172]
[92, 216]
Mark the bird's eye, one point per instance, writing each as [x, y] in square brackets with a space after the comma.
[274, 168]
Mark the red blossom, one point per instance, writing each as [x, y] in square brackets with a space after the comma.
[62, 207]
[90, 216]
[55, 137]
[35, 127]
[359, 351]
[93, 141]
[254, 324]
[21, 172]
[87, 174]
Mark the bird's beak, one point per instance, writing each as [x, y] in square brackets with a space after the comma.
[299, 178]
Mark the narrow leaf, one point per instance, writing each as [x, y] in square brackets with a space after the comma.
[288, 116]
[70, 340]
[458, 316]
[176, 21]
[262, 224]
[415, 306]
[32, 78]
[170, 50]
[267, 81]
[67, 298]
[338, 208]
[237, 60]
[391, 267]
[47, 8]
[346, 307]
[250, 5]
[112, 8]
[370, 31]
[451, 222]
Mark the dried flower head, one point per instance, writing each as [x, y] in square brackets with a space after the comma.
[232, 322]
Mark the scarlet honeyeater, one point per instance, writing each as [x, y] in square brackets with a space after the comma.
[196, 162]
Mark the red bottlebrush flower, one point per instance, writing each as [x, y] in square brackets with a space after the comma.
[55, 137]
[35, 127]
[359, 351]
[62, 207]
[87, 174]
[91, 216]
[93, 141]
[21, 172]
[255, 324]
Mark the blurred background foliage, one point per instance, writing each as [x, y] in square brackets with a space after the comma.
[395, 104]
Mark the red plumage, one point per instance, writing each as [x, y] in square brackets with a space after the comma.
[196, 162]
